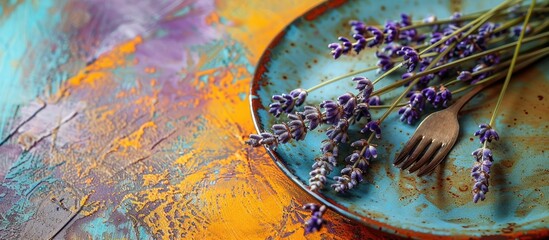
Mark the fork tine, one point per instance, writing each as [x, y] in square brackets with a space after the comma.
[433, 148]
[436, 160]
[417, 152]
[406, 150]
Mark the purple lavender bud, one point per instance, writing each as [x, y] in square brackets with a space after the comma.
[371, 152]
[391, 48]
[266, 138]
[340, 48]
[486, 133]
[407, 75]
[316, 221]
[313, 116]
[329, 146]
[362, 111]
[283, 132]
[391, 31]
[374, 101]
[435, 37]
[364, 85]
[516, 30]
[405, 19]
[411, 57]
[359, 143]
[332, 111]
[377, 34]
[337, 49]
[338, 133]
[297, 127]
[408, 114]
[417, 100]
[456, 16]
[349, 102]
[429, 93]
[287, 102]
[465, 76]
[342, 184]
[372, 126]
[360, 43]
[358, 27]
[299, 95]
[443, 95]
[343, 99]
[384, 63]
[347, 45]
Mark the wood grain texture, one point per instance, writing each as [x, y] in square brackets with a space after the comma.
[127, 120]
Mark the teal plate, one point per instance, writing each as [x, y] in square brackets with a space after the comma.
[439, 205]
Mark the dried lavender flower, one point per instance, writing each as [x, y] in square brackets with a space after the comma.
[372, 126]
[384, 63]
[408, 114]
[282, 132]
[340, 48]
[338, 133]
[364, 85]
[443, 96]
[323, 165]
[377, 34]
[285, 103]
[481, 173]
[486, 133]
[316, 221]
[266, 138]
[297, 127]
[358, 27]
[374, 101]
[411, 57]
[333, 112]
[313, 116]
[465, 76]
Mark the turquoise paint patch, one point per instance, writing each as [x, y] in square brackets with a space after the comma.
[182, 11]
[35, 50]
[242, 96]
[204, 79]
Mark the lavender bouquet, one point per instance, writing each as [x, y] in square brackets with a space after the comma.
[437, 60]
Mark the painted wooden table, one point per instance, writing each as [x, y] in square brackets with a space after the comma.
[126, 119]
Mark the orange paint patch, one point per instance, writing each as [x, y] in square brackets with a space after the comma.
[134, 140]
[97, 70]
[255, 25]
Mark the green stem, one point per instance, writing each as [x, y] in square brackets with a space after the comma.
[341, 77]
[513, 61]
[526, 56]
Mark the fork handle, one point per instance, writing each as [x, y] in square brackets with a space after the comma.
[465, 98]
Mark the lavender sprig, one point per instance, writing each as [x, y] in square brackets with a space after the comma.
[285, 103]
[323, 165]
[481, 172]
[316, 221]
[352, 175]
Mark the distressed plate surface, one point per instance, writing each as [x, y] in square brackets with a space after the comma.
[395, 201]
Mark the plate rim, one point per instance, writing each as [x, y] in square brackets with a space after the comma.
[255, 104]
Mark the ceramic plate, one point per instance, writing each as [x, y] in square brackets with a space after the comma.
[399, 202]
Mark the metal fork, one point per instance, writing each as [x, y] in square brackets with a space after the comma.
[435, 136]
